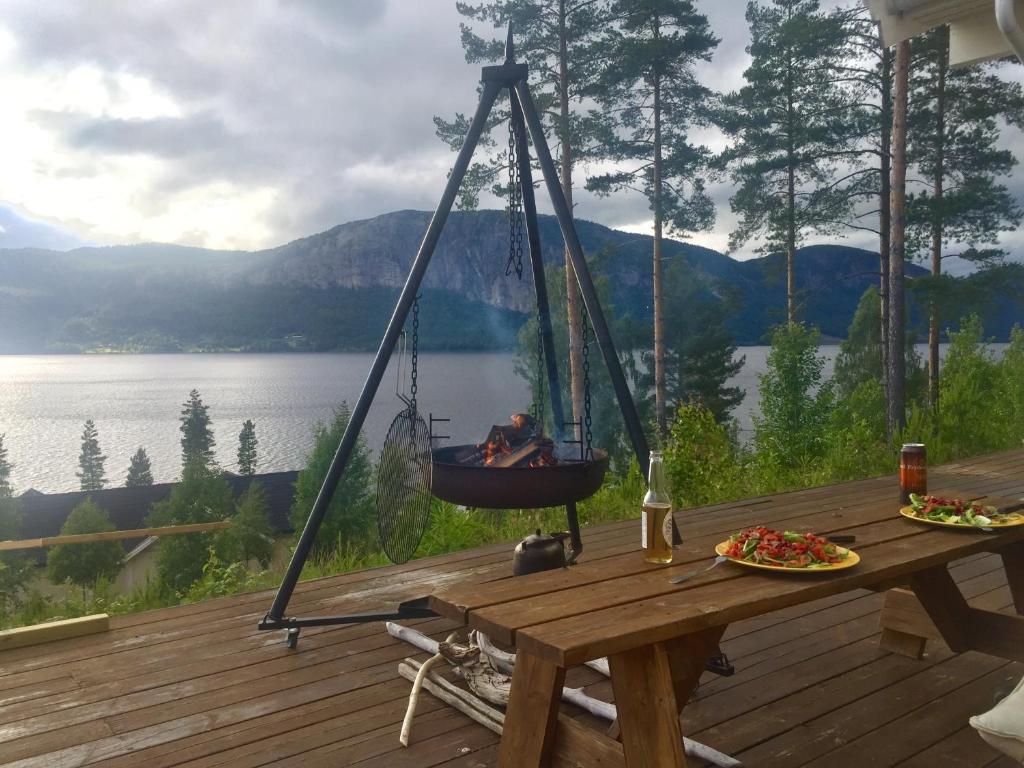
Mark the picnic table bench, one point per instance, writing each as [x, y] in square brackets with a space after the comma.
[658, 636]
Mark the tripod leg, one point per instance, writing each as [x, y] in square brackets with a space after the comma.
[590, 300]
[387, 345]
[574, 531]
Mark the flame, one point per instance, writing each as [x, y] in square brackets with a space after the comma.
[499, 444]
[495, 448]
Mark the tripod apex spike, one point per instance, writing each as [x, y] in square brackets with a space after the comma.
[510, 47]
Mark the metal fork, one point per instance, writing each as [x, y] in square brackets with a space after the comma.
[680, 579]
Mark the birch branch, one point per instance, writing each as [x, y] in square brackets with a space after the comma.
[466, 703]
[414, 696]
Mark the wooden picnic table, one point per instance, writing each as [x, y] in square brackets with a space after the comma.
[658, 636]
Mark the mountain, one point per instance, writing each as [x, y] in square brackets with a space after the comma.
[335, 290]
[17, 231]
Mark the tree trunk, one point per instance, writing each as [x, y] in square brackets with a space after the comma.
[659, 322]
[896, 410]
[938, 171]
[884, 217]
[790, 197]
[572, 289]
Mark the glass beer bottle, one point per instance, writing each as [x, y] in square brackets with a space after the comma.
[656, 519]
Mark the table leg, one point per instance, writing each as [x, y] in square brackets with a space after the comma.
[902, 643]
[905, 624]
[532, 714]
[1013, 563]
[646, 702]
[687, 657]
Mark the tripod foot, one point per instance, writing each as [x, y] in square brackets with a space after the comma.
[291, 638]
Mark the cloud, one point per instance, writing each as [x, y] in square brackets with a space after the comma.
[247, 124]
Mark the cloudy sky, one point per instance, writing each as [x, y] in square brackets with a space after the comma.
[247, 123]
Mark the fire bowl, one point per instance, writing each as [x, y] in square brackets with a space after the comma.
[473, 485]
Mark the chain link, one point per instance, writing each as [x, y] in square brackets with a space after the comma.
[515, 207]
[538, 398]
[588, 435]
[413, 373]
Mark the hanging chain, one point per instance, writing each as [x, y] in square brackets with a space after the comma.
[588, 435]
[538, 398]
[413, 372]
[515, 207]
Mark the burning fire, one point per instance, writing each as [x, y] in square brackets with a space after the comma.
[495, 448]
[521, 443]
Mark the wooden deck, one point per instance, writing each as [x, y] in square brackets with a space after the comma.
[199, 685]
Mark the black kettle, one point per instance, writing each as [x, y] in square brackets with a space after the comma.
[538, 552]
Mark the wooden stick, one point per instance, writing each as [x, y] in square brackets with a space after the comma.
[412, 637]
[138, 533]
[464, 701]
[414, 694]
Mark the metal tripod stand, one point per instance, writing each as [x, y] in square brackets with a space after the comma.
[512, 76]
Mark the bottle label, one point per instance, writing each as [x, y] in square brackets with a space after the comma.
[666, 529]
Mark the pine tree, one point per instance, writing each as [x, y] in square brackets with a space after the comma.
[700, 354]
[197, 441]
[649, 99]
[860, 353]
[895, 377]
[954, 119]
[247, 443]
[15, 567]
[5, 471]
[139, 470]
[85, 564]
[794, 126]
[91, 460]
[867, 62]
[555, 37]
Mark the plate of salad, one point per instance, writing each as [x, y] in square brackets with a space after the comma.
[787, 551]
[957, 513]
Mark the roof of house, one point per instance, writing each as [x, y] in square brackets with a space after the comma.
[974, 34]
[43, 514]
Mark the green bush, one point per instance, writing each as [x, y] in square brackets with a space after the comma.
[219, 578]
[855, 443]
[702, 460]
[202, 496]
[969, 389]
[85, 564]
[1009, 397]
[250, 536]
[796, 404]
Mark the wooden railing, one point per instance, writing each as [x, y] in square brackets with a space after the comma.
[138, 533]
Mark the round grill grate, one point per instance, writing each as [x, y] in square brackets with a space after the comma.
[403, 486]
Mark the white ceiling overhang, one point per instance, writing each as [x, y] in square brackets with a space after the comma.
[974, 34]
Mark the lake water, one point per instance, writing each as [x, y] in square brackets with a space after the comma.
[136, 400]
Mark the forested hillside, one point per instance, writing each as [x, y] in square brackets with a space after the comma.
[335, 290]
